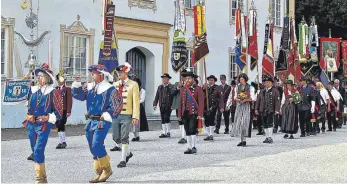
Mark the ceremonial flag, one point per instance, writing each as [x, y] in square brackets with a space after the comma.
[303, 42]
[330, 54]
[253, 39]
[324, 78]
[108, 55]
[344, 56]
[268, 59]
[313, 42]
[179, 54]
[16, 91]
[282, 61]
[239, 56]
[200, 47]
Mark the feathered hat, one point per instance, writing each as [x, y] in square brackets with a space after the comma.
[125, 68]
[102, 69]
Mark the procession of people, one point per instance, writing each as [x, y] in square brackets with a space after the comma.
[118, 105]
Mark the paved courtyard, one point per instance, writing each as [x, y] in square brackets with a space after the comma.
[321, 158]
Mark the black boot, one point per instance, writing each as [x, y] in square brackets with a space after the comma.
[216, 131]
[194, 150]
[182, 141]
[189, 151]
[122, 164]
[63, 145]
[127, 158]
[285, 136]
[136, 139]
[291, 137]
[116, 148]
[31, 157]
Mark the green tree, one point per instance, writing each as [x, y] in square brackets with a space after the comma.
[329, 14]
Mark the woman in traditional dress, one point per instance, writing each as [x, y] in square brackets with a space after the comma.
[243, 99]
[143, 125]
[289, 110]
[44, 109]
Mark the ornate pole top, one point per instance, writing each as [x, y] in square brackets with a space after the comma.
[253, 7]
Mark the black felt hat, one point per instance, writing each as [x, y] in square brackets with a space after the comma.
[223, 77]
[166, 75]
[189, 74]
[212, 77]
[233, 83]
[267, 78]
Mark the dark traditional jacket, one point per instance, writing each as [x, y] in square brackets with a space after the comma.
[225, 91]
[268, 101]
[66, 101]
[215, 98]
[306, 96]
[176, 96]
[164, 96]
[342, 91]
[188, 104]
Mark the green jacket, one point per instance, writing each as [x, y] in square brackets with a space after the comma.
[176, 97]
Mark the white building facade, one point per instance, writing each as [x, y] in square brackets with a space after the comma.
[144, 30]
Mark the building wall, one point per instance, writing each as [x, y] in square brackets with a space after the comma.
[54, 13]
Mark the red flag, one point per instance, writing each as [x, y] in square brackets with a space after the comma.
[268, 60]
[252, 39]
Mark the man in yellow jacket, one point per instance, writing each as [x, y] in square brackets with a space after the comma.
[129, 114]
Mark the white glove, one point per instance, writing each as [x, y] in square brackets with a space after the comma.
[258, 91]
[313, 104]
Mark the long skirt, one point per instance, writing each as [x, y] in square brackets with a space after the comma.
[242, 119]
[143, 119]
[289, 118]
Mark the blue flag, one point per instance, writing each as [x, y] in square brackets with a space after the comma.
[324, 78]
[238, 54]
[110, 61]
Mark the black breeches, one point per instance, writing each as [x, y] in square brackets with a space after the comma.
[60, 124]
[332, 122]
[305, 121]
[209, 119]
[165, 116]
[226, 115]
[190, 123]
[179, 122]
[268, 120]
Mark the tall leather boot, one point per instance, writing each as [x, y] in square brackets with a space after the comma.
[98, 171]
[106, 168]
[40, 171]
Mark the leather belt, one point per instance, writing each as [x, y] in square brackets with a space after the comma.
[93, 117]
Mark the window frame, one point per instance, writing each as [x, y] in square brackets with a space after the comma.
[8, 25]
[277, 12]
[3, 50]
[231, 8]
[77, 29]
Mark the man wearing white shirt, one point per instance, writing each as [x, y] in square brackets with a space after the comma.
[324, 101]
[333, 108]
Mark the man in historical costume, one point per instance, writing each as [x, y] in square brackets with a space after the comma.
[66, 103]
[103, 105]
[254, 117]
[278, 118]
[191, 109]
[333, 107]
[215, 102]
[315, 114]
[324, 101]
[164, 96]
[343, 101]
[225, 90]
[268, 106]
[143, 125]
[176, 98]
[44, 109]
[129, 115]
[306, 107]
[289, 112]
[233, 104]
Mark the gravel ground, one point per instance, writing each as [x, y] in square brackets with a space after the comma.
[313, 159]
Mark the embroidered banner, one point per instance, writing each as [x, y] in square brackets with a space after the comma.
[239, 56]
[108, 55]
[201, 49]
[330, 54]
[282, 61]
[179, 54]
[344, 49]
[253, 41]
[268, 61]
[16, 91]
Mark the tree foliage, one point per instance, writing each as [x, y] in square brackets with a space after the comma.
[329, 14]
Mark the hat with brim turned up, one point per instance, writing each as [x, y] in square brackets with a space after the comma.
[188, 73]
[102, 69]
[212, 77]
[45, 69]
[166, 75]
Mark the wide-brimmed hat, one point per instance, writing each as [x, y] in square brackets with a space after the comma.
[125, 68]
[289, 82]
[222, 77]
[166, 75]
[189, 73]
[267, 78]
[212, 77]
[45, 69]
[102, 69]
